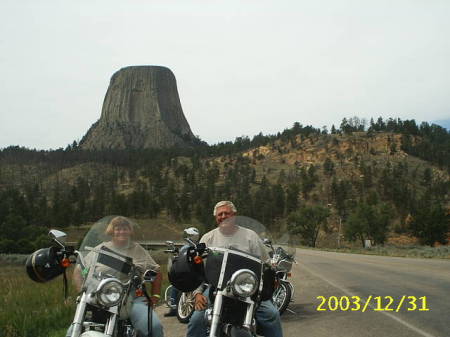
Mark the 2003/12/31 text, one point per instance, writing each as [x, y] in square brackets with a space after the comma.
[375, 303]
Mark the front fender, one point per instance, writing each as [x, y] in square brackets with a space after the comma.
[240, 332]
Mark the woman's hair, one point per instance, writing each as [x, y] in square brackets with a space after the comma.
[224, 203]
[118, 221]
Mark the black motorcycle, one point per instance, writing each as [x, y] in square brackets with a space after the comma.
[237, 281]
[282, 259]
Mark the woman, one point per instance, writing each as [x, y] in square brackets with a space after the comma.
[120, 230]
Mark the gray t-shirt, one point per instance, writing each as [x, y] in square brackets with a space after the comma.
[243, 239]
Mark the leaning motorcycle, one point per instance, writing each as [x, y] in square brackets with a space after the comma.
[237, 281]
[110, 281]
[281, 260]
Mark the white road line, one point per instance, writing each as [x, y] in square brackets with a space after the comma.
[349, 293]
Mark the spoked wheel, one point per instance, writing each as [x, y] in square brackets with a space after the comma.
[185, 307]
[281, 297]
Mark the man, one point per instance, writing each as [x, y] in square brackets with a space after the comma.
[225, 235]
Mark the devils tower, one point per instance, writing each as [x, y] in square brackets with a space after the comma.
[141, 109]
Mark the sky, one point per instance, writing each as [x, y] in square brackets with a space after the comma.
[242, 67]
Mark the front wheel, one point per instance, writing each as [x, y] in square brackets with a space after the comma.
[281, 297]
[185, 307]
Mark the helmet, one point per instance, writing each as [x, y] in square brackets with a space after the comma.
[43, 265]
[183, 275]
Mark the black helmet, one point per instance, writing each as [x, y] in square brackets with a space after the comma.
[43, 265]
[184, 275]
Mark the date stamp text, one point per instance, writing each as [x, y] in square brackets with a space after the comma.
[375, 303]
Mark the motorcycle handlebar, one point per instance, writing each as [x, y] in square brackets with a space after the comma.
[196, 252]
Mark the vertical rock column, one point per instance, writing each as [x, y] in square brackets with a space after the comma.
[141, 110]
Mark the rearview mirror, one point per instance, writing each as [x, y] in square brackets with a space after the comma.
[58, 236]
[150, 275]
[267, 242]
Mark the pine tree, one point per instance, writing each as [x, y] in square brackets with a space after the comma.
[328, 167]
[292, 197]
[431, 223]
[307, 222]
[279, 201]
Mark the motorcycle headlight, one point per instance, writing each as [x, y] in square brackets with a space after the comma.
[244, 283]
[109, 292]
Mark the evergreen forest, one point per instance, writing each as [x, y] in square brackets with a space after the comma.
[361, 179]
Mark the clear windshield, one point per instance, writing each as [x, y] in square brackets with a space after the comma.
[114, 247]
[103, 263]
[283, 250]
[285, 245]
[281, 240]
[236, 245]
[238, 232]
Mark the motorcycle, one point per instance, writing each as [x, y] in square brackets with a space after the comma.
[282, 260]
[184, 303]
[238, 281]
[109, 282]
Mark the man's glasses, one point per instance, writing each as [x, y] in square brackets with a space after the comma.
[122, 228]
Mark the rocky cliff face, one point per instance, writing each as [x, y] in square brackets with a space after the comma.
[141, 110]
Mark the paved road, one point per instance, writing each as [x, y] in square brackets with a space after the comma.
[336, 274]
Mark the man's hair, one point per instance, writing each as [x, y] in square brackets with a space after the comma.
[224, 203]
[118, 221]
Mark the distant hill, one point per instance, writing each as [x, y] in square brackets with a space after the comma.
[445, 123]
[388, 179]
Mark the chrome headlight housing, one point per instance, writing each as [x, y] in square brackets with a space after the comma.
[244, 283]
[109, 292]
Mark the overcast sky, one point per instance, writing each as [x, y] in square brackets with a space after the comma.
[241, 66]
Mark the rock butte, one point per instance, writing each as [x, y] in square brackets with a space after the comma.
[141, 109]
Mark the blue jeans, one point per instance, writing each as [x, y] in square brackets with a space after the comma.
[267, 318]
[139, 319]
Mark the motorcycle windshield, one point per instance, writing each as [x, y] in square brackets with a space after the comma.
[283, 242]
[284, 252]
[243, 234]
[102, 263]
[112, 249]
[285, 246]
[236, 244]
